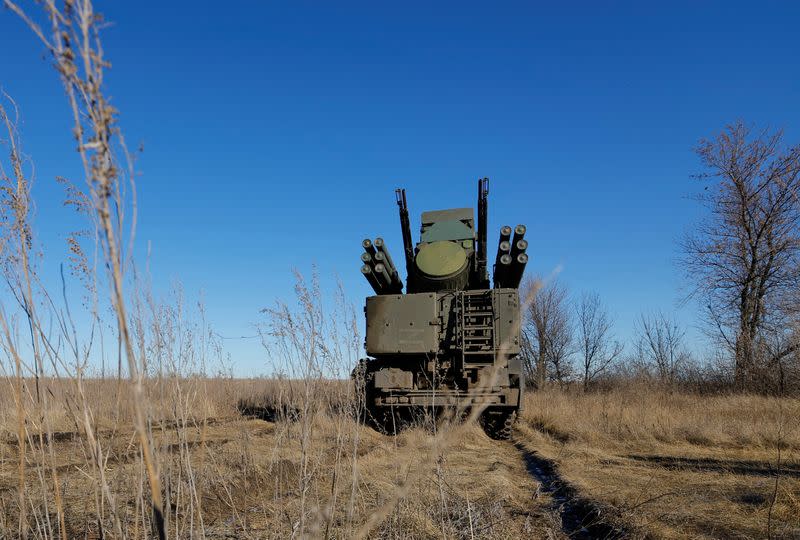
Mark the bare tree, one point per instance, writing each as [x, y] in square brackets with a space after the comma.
[660, 346]
[547, 335]
[597, 346]
[743, 259]
[561, 349]
[776, 366]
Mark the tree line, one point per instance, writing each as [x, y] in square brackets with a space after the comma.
[741, 265]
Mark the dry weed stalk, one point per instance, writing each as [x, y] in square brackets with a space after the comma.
[310, 346]
[78, 57]
[16, 197]
[36, 431]
[20, 275]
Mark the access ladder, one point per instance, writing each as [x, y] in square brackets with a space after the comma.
[476, 327]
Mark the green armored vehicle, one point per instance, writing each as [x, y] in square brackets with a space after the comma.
[451, 342]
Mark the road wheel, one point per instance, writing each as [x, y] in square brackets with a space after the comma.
[498, 425]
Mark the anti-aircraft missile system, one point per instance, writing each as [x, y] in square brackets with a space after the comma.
[451, 341]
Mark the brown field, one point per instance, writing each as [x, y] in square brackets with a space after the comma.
[634, 463]
[673, 465]
[227, 475]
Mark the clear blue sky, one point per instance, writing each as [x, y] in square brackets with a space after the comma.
[275, 133]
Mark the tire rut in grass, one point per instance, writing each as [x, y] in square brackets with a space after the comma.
[581, 518]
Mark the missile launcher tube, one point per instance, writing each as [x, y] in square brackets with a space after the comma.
[519, 233]
[519, 247]
[368, 247]
[383, 276]
[380, 245]
[501, 271]
[380, 258]
[503, 248]
[505, 233]
[371, 278]
[515, 270]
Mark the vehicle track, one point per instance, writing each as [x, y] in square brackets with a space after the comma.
[581, 517]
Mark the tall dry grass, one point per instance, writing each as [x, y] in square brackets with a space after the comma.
[642, 415]
[670, 464]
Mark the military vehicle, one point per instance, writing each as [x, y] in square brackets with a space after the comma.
[451, 342]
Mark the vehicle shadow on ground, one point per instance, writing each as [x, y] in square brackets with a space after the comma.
[743, 467]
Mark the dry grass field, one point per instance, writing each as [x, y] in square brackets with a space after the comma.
[226, 475]
[672, 465]
[632, 463]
